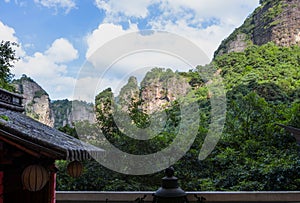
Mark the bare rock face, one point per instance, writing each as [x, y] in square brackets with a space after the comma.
[36, 100]
[287, 31]
[275, 21]
[279, 22]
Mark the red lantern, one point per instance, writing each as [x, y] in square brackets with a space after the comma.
[35, 177]
[75, 169]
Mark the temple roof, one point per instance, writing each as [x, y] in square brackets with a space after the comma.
[295, 131]
[37, 138]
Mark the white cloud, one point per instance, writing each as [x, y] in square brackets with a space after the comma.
[132, 8]
[62, 51]
[224, 10]
[103, 34]
[88, 87]
[49, 69]
[56, 4]
[8, 34]
[207, 39]
[90, 79]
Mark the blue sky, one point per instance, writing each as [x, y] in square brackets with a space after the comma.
[57, 37]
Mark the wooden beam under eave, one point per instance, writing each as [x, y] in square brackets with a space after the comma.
[50, 155]
[35, 148]
[28, 151]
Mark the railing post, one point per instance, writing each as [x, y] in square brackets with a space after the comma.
[170, 192]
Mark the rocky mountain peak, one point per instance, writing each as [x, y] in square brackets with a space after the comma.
[275, 21]
[36, 100]
[129, 93]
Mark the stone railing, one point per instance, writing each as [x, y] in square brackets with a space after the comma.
[213, 197]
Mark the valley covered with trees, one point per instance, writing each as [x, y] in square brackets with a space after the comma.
[254, 154]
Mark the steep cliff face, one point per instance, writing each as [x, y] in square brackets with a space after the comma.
[36, 100]
[275, 21]
[279, 22]
[68, 112]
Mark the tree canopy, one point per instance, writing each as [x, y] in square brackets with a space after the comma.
[7, 60]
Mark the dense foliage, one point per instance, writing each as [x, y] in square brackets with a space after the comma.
[7, 60]
[263, 86]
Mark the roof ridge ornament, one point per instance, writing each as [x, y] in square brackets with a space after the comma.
[11, 101]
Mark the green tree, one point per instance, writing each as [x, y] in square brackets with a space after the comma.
[255, 154]
[69, 130]
[7, 60]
